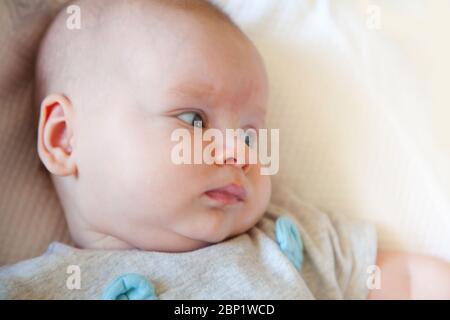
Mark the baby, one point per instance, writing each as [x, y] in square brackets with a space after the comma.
[110, 95]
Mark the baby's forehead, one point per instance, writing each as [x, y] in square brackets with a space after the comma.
[112, 26]
[185, 45]
[106, 28]
[135, 42]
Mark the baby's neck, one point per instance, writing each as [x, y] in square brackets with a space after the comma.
[87, 237]
[83, 234]
[94, 240]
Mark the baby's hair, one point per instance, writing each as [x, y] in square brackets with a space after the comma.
[53, 53]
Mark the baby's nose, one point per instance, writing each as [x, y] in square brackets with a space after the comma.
[229, 156]
[233, 161]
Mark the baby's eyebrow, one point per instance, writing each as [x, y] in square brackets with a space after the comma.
[193, 90]
[207, 92]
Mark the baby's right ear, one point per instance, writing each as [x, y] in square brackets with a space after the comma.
[55, 135]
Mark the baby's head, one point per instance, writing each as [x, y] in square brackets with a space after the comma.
[112, 93]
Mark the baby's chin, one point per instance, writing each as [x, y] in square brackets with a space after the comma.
[179, 238]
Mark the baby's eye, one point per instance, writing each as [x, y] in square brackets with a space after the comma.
[192, 118]
[249, 138]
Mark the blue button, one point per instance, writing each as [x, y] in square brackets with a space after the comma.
[289, 240]
[130, 287]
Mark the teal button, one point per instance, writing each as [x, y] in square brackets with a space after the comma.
[289, 240]
[130, 287]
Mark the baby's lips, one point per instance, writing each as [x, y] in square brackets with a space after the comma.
[234, 189]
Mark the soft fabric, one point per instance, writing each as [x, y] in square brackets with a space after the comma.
[359, 91]
[362, 107]
[337, 255]
[132, 286]
[30, 214]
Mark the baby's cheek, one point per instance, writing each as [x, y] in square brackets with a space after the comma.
[149, 175]
[262, 183]
[263, 190]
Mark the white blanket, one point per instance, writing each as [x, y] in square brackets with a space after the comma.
[360, 93]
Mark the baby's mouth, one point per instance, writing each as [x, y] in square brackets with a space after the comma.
[230, 194]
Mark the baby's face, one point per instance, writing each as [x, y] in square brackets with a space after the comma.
[128, 187]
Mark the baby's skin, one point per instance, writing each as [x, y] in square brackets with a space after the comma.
[134, 73]
[110, 95]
